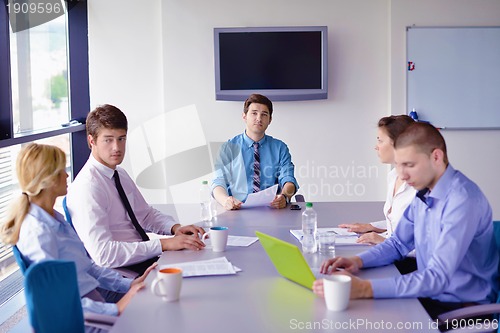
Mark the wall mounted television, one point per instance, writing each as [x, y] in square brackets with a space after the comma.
[283, 63]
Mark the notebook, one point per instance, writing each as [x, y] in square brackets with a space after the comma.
[288, 260]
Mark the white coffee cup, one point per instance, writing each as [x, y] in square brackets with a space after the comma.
[337, 290]
[167, 284]
[218, 238]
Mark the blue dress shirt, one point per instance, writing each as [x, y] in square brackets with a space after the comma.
[452, 232]
[44, 237]
[234, 166]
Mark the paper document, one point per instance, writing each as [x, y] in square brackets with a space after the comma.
[261, 198]
[217, 266]
[242, 241]
[343, 237]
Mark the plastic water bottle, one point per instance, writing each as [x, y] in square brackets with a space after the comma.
[413, 114]
[205, 201]
[309, 228]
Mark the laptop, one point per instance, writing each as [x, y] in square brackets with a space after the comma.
[288, 260]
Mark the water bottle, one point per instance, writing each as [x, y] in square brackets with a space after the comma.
[309, 228]
[205, 201]
[413, 114]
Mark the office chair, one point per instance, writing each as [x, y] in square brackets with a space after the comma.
[478, 310]
[53, 299]
[23, 265]
[123, 271]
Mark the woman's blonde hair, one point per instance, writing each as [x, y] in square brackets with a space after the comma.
[37, 168]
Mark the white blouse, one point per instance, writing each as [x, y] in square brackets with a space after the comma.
[395, 205]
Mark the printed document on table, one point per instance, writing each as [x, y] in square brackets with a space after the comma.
[217, 266]
[261, 198]
[343, 236]
[242, 241]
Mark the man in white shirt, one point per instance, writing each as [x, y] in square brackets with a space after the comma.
[113, 237]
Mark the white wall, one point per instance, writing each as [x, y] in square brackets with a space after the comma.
[475, 153]
[160, 59]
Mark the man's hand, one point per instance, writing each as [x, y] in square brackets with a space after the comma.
[182, 241]
[351, 265]
[279, 202]
[187, 230]
[232, 203]
[359, 288]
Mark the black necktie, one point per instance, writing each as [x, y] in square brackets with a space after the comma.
[126, 203]
[426, 200]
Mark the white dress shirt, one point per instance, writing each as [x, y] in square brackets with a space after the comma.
[102, 222]
[46, 237]
[395, 203]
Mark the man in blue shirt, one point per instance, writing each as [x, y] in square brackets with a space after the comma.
[254, 161]
[449, 224]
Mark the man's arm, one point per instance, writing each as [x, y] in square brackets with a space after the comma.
[87, 204]
[284, 197]
[286, 173]
[228, 202]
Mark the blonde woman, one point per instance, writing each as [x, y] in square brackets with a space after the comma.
[41, 233]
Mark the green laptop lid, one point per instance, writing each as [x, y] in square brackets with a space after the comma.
[288, 260]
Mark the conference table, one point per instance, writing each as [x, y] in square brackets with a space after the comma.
[258, 299]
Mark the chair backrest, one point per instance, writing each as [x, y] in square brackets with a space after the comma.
[52, 297]
[66, 213]
[23, 265]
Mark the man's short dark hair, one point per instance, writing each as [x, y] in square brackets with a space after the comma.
[424, 137]
[260, 99]
[105, 116]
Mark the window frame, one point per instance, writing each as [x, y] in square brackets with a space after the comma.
[78, 85]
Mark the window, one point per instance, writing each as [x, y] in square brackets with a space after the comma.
[39, 77]
[43, 84]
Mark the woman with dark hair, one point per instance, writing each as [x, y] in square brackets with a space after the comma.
[399, 194]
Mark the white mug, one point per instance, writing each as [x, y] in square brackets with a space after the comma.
[218, 238]
[167, 284]
[337, 290]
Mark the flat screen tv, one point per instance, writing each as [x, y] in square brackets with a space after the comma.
[283, 63]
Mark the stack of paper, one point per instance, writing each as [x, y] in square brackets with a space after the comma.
[344, 237]
[217, 266]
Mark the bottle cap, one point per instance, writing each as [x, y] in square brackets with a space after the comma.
[205, 182]
[309, 204]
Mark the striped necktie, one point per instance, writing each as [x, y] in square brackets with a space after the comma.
[256, 167]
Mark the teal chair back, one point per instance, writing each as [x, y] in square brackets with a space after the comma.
[52, 297]
[23, 264]
[66, 212]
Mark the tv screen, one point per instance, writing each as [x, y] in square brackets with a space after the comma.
[283, 63]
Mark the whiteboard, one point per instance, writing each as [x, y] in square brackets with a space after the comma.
[453, 76]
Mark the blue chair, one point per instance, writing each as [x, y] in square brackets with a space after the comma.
[52, 297]
[21, 262]
[53, 300]
[478, 310]
[66, 213]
